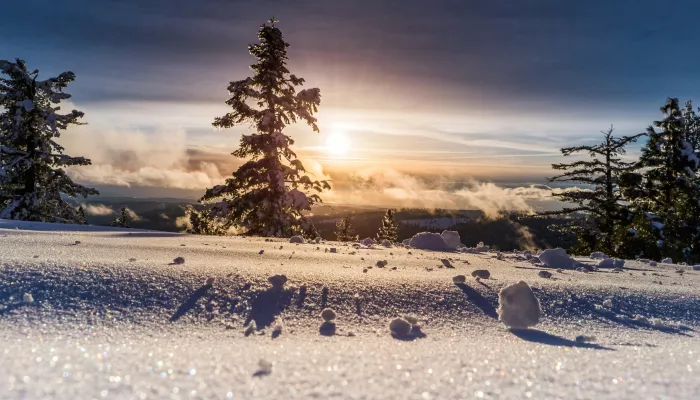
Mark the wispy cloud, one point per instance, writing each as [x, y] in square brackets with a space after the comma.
[98, 209]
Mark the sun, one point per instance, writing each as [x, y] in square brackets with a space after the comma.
[337, 143]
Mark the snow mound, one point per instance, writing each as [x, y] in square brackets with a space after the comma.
[406, 242]
[619, 263]
[428, 241]
[367, 242]
[667, 261]
[557, 258]
[606, 263]
[296, 239]
[518, 307]
[451, 239]
[386, 243]
[598, 255]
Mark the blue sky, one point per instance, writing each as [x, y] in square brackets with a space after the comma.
[462, 90]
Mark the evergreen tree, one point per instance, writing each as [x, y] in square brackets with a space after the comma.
[123, 220]
[665, 191]
[691, 122]
[389, 229]
[345, 231]
[598, 214]
[267, 195]
[201, 224]
[32, 179]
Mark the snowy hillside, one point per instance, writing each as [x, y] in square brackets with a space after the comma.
[95, 312]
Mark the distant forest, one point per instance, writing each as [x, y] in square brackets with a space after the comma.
[504, 233]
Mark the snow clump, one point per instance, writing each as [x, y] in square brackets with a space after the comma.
[518, 307]
[296, 239]
[328, 314]
[544, 274]
[606, 263]
[598, 255]
[428, 241]
[277, 281]
[28, 298]
[400, 327]
[481, 273]
[367, 242]
[667, 261]
[451, 239]
[557, 258]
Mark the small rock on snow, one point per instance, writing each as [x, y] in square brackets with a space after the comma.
[179, 260]
[459, 279]
[544, 274]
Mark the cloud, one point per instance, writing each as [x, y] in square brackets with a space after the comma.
[98, 209]
[133, 158]
[388, 187]
[132, 215]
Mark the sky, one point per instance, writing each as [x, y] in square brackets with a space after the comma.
[421, 101]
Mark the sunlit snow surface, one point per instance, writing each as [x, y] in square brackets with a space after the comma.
[102, 326]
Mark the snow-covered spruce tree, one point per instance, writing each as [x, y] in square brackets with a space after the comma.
[599, 213]
[267, 195]
[389, 229]
[691, 121]
[123, 220]
[202, 224]
[345, 232]
[32, 179]
[665, 190]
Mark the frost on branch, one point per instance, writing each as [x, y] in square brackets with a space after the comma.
[270, 194]
[33, 182]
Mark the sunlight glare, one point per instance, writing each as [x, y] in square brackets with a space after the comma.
[337, 143]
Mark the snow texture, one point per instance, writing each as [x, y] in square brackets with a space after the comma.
[98, 318]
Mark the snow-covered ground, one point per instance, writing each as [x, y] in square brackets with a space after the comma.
[107, 313]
